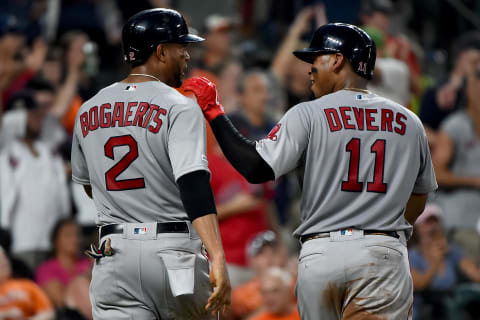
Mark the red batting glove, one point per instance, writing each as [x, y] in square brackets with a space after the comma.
[207, 96]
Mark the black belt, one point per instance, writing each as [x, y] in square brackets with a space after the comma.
[162, 227]
[311, 236]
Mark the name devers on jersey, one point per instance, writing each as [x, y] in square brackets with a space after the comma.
[352, 118]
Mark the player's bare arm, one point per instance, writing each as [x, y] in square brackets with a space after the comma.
[207, 228]
[88, 190]
[239, 151]
[197, 198]
[415, 206]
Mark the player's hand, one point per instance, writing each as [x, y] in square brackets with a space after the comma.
[221, 296]
[207, 96]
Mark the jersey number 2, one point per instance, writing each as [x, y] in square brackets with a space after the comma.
[111, 175]
[377, 185]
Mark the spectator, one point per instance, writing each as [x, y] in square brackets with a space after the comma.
[217, 61]
[391, 78]
[434, 264]
[56, 274]
[18, 62]
[19, 268]
[15, 121]
[12, 41]
[67, 99]
[241, 211]
[77, 295]
[33, 188]
[276, 288]
[218, 43]
[378, 14]
[251, 118]
[456, 157]
[290, 73]
[449, 96]
[265, 251]
[21, 298]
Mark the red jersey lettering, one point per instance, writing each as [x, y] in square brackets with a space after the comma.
[117, 118]
[333, 119]
[129, 112]
[141, 110]
[359, 116]
[93, 118]
[157, 120]
[400, 119]
[105, 118]
[387, 119]
[84, 123]
[346, 118]
[152, 108]
[370, 119]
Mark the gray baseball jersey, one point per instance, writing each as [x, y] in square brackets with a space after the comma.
[132, 142]
[363, 157]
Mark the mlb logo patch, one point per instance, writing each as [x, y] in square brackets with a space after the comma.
[131, 88]
[140, 230]
[346, 232]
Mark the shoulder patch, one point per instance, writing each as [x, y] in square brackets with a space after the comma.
[273, 133]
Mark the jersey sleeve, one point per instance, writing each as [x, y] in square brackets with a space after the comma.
[426, 181]
[78, 162]
[187, 139]
[283, 147]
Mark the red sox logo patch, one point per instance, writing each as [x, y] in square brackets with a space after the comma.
[273, 133]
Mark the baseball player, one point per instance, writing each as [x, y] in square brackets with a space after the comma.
[139, 148]
[366, 175]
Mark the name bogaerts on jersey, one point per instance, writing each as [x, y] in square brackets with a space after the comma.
[369, 119]
[107, 117]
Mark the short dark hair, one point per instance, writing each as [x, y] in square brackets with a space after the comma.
[39, 83]
[58, 226]
[22, 100]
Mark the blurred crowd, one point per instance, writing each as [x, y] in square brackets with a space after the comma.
[56, 54]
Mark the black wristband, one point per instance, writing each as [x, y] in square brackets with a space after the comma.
[196, 194]
[241, 152]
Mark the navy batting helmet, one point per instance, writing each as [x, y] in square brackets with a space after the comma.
[354, 43]
[144, 31]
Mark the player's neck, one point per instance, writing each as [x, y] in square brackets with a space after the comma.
[354, 84]
[143, 74]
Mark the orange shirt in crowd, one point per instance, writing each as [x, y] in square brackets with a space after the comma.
[268, 316]
[23, 295]
[246, 298]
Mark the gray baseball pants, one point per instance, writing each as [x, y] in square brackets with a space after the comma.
[354, 276]
[151, 276]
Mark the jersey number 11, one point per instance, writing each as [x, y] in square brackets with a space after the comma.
[353, 184]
